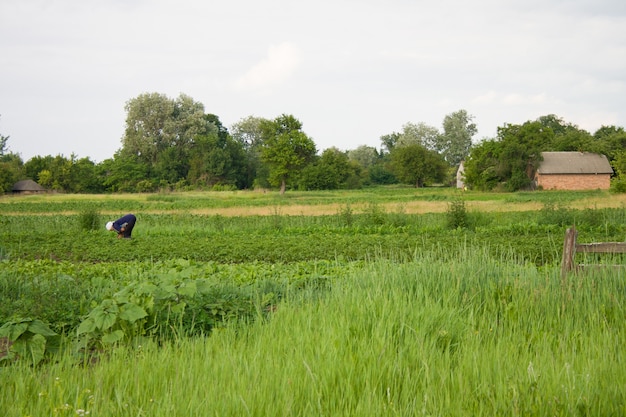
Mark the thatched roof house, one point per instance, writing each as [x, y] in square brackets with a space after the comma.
[27, 186]
[573, 171]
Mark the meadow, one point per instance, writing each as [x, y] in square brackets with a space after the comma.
[378, 302]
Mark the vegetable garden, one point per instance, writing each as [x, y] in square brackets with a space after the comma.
[386, 301]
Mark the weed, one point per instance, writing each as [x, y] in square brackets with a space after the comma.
[346, 215]
[457, 214]
[89, 219]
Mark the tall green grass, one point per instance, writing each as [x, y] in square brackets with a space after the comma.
[462, 334]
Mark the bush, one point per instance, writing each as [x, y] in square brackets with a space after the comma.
[618, 185]
[456, 214]
[89, 219]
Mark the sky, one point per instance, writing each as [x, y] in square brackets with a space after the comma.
[350, 70]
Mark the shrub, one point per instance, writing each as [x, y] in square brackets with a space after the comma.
[456, 214]
[618, 185]
[89, 219]
[346, 214]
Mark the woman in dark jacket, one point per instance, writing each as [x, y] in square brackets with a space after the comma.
[123, 226]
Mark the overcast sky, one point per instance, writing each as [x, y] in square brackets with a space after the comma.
[349, 70]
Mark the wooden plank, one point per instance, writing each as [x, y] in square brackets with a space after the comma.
[616, 268]
[602, 247]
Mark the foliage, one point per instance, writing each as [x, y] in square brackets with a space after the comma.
[456, 140]
[416, 165]
[28, 340]
[286, 149]
[172, 144]
[89, 219]
[10, 168]
[331, 171]
[457, 214]
[418, 134]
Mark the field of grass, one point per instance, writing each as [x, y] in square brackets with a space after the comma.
[364, 303]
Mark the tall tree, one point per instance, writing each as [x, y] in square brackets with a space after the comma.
[416, 165]
[521, 152]
[216, 158]
[248, 133]
[160, 132]
[421, 134]
[286, 149]
[364, 155]
[389, 142]
[148, 120]
[456, 140]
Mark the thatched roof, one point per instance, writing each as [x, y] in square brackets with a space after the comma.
[574, 163]
[27, 185]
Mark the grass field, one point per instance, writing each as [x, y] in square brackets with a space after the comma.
[381, 302]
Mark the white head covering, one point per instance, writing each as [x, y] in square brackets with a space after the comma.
[109, 226]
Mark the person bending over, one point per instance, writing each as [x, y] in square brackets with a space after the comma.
[123, 226]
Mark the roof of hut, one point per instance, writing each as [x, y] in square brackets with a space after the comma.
[574, 163]
[27, 185]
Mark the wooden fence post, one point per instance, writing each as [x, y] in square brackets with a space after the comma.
[569, 251]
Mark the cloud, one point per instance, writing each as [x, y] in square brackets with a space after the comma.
[280, 63]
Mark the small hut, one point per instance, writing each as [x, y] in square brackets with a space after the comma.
[27, 187]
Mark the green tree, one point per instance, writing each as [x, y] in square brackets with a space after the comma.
[332, 170]
[35, 165]
[286, 149]
[122, 173]
[364, 155]
[456, 140]
[84, 176]
[611, 140]
[10, 171]
[248, 133]
[216, 158]
[10, 166]
[160, 133]
[420, 134]
[148, 121]
[521, 152]
[483, 167]
[389, 142]
[416, 165]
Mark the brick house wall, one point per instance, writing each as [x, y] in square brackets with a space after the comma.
[574, 181]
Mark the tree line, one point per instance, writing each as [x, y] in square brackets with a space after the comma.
[173, 144]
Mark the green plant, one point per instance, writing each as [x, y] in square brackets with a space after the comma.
[456, 214]
[89, 219]
[346, 215]
[27, 340]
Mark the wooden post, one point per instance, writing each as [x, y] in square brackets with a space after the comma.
[569, 251]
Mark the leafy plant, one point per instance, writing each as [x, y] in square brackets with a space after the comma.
[27, 340]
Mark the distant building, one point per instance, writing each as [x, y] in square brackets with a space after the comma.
[460, 176]
[27, 187]
[573, 171]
